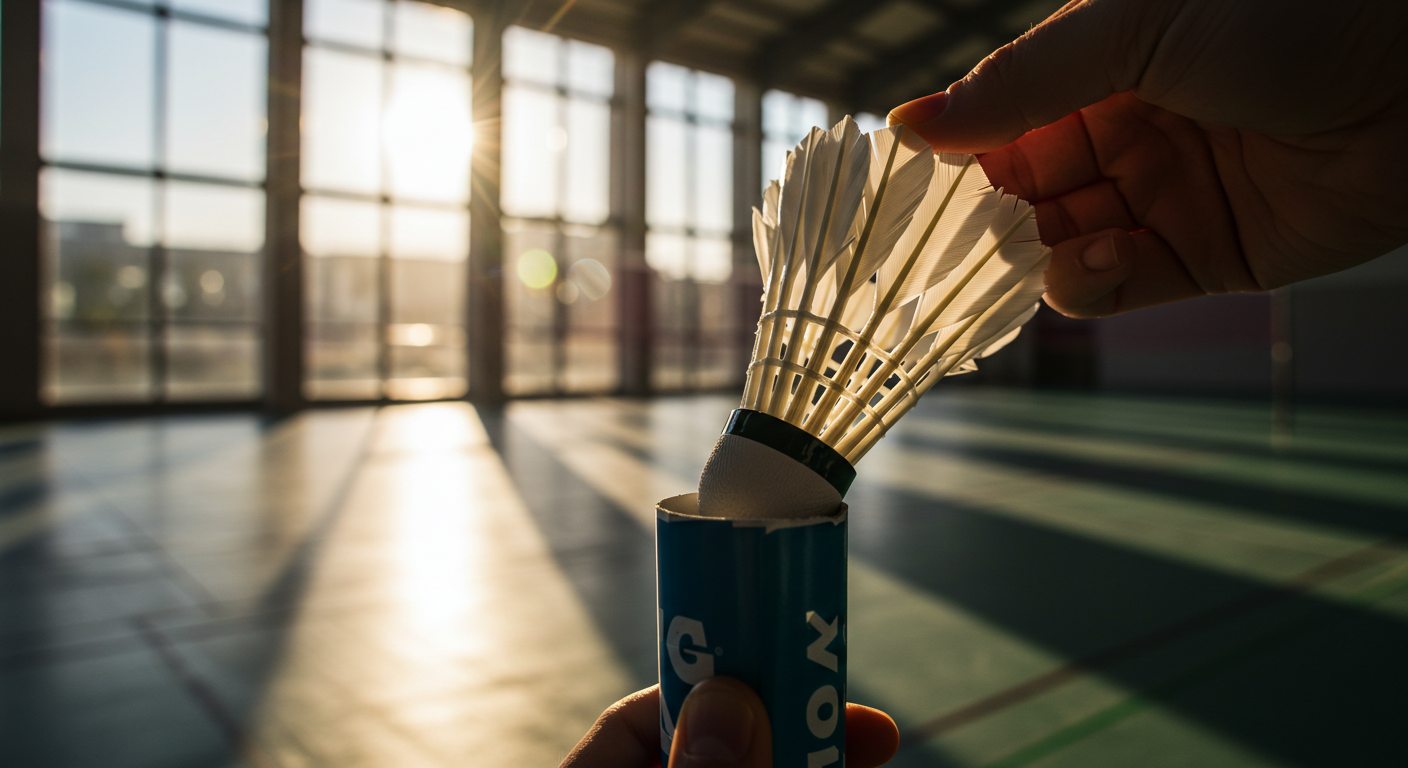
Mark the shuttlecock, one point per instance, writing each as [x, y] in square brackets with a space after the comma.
[886, 267]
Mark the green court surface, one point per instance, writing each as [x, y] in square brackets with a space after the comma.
[1037, 579]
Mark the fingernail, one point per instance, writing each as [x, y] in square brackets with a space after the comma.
[716, 725]
[920, 110]
[1100, 256]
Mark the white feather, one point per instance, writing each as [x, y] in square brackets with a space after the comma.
[899, 179]
[850, 207]
[955, 213]
[1002, 256]
[762, 243]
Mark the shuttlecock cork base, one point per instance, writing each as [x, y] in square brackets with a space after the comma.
[765, 468]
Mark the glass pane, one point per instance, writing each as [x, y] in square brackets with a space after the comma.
[332, 227]
[592, 259]
[429, 233]
[777, 115]
[253, 12]
[342, 362]
[214, 218]
[716, 364]
[588, 193]
[868, 122]
[97, 232]
[84, 363]
[590, 355]
[774, 155]
[666, 180]
[528, 359]
[212, 362]
[712, 260]
[531, 56]
[666, 87]
[811, 113]
[431, 32]
[215, 102]
[713, 179]
[341, 117]
[667, 255]
[341, 290]
[123, 204]
[427, 372]
[590, 364]
[673, 343]
[532, 142]
[787, 118]
[350, 22]
[713, 97]
[429, 133]
[98, 80]
[212, 286]
[529, 310]
[529, 252]
[427, 293]
[590, 69]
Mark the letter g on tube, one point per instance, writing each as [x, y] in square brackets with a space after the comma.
[700, 665]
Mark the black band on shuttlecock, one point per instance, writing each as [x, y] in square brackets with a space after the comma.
[795, 443]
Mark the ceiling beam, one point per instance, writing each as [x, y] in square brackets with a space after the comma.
[986, 20]
[810, 33]
[659, 21]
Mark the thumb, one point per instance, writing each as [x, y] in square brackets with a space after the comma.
[1083, 53]
[1086, 273]
[722, 724]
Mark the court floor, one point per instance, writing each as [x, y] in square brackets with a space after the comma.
[1036, 579]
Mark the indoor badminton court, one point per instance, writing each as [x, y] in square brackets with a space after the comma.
[349, 346]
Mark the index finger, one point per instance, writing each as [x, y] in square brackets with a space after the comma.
[1045, 163]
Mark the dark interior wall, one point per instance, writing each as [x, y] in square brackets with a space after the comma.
[1349, 338]
[1212, 344]
[1350, 331]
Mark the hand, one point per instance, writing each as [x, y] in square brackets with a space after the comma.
[722, 725]
[1176, 148]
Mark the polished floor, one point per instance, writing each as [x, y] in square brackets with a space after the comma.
[1036, 579]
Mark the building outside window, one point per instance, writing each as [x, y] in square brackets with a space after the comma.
[689, 219]
[560, 249]
[152, 141]
[387, 134]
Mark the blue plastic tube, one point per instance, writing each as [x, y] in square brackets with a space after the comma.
[763, 601]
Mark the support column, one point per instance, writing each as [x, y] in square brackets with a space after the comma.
[835, 110]
[746, 283]
[20, 309]
[634, 277]
[485, 293]
[284, 326]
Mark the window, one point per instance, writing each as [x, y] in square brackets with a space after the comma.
[559, 250]
[152, 140]
[689, 219]
[786, 120]
[868, 122]
[387, 135]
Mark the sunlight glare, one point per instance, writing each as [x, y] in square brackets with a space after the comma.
[428, 133]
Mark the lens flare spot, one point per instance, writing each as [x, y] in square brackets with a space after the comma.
[537, 269]
[590, 277]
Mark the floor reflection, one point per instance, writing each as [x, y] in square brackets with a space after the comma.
[1036, 580]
